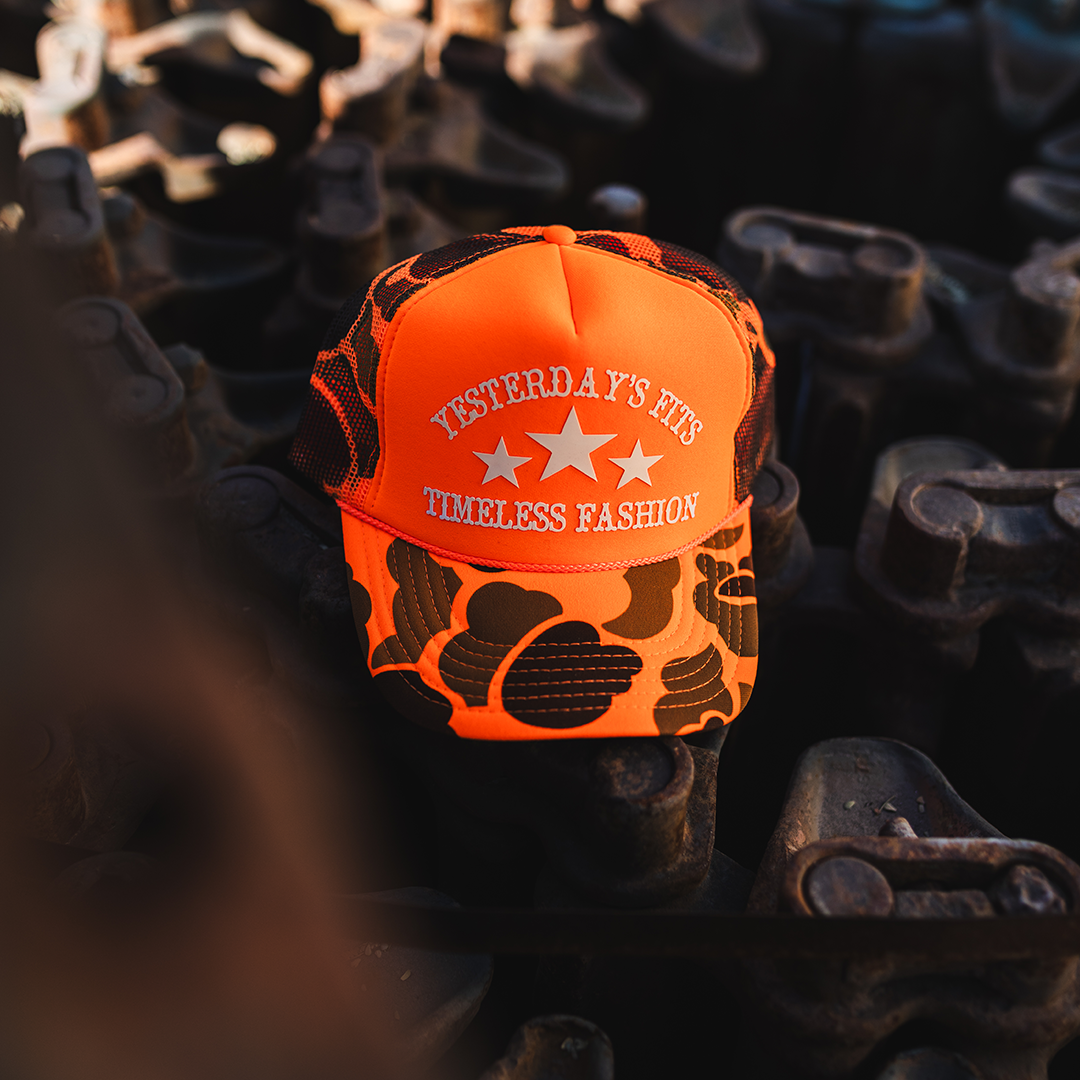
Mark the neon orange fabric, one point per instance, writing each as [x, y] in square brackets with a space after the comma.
[542, 444]
[573, 376]
[668, 648]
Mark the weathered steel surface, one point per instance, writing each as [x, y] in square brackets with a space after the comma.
[563, 1046]
[957, 549]
[184, 284]
[871, 829]
[166, 410]
[203, 188]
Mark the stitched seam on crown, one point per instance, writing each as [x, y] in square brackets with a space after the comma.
[569, 298]
[390, 337]
[737, 328]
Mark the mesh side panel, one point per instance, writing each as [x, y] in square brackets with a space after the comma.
[755, 432]
[324, 454]
[337, 441]
[682, 260]
[754, 435]
[345, 317]
[612, 242]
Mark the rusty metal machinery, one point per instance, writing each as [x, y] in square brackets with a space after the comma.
[229, 856]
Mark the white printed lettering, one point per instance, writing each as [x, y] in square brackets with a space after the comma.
[463, 503]
[513, 394]
[640, 386]
[534, 381]
[499, 523]
[458, 405]
[666, 421]
[586, 389]
[569, 381]
[685, 411]
[489, 388]
[662, 402]
[585, 513]
[616, 378]
[687, 437]
[544, 517]
[472, 397]
[604, 522]
[440, 418]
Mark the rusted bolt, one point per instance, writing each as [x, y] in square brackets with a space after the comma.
[760, 245]
[93, 326]
[135, 398]
[922, 454]
[1026, 890]
[772, 516]
[640, 792]
[190, 365]
[141, 396]
[65, 226]
[1040, 318]
[840, 282]
[124, 217]
[240, 502]
[343, 230]
[847, 886]
[887, 279]
[926, 541]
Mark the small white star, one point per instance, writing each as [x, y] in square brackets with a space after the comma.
[636, 466]
[500, 463]
[570, 447]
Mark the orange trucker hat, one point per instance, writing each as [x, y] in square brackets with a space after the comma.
[542, 443]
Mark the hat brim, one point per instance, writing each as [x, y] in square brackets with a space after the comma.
[666, 648]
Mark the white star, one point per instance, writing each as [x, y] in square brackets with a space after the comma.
[500, 463]
[636, 466]
[570, 447]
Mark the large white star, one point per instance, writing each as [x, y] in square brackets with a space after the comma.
[570, 447]
[636, 466]
[500, 463]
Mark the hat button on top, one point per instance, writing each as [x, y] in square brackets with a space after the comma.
[559, 234]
